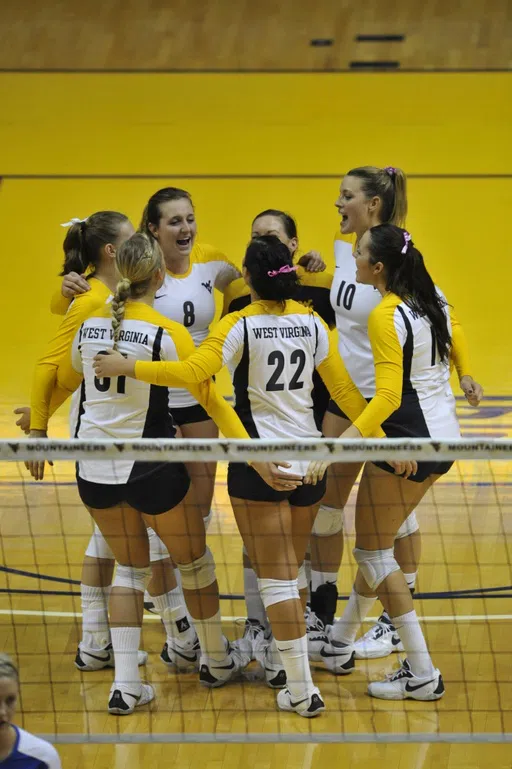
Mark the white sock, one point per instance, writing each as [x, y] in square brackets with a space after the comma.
[95, 627]
[177, 621]
[356, 610]
[411, 580]
[411, 635]
[125, 641]
[209, 632]
[253, 602]
[321, 578]
[294, 656]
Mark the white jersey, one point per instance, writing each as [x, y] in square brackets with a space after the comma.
[352, 303]
[189, 299]
[31, 752]
[123, 408]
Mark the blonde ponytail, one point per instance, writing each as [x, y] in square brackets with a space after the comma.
[137, 261]
[118, 305]
[399, 213]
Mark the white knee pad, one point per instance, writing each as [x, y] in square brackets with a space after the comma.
[207, 520]
[157, 549]
[129, 576]
[199, 573]
[277, 590]
[329, 521]
[408, 527]
[376, 565]
[302, 579]
[98, 546]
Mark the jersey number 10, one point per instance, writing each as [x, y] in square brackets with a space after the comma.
[346, 295]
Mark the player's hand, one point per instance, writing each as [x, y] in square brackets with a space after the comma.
[276, 478]
[112, 363]
[472, 390]
[36, 467]
[404, 468]
[316, 471]
[24, 420]
[74, 284]
[312, 262]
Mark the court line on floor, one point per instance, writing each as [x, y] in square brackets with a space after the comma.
[247, 737]
[433, 618]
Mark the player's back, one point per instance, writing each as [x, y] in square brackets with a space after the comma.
[121, 407]
[277, 350]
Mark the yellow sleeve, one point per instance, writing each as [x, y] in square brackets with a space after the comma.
[341, 387]
[204, 362]
[203, 389]
[59, 304]
[389, 365]
[57, 351]
[460, 351]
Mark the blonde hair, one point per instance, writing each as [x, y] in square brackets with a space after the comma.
[390, 185]
[137, 260]
[8, 669]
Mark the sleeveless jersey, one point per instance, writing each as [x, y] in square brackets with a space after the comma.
[189, 299]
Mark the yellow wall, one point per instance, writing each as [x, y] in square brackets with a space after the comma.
[256, 124]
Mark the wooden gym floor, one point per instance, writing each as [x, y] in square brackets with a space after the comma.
[465, 522]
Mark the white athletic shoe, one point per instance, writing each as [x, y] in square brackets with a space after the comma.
[213, 673]
[403, 685]
[317, 635]
[253, 630]
[379, 641]
[124, 699]
[338, 658]
[275, 674]
[183, 658]
[92, 659]
[309, 707]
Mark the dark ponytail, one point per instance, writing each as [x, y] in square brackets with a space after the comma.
[266, 255]
[84, 240]
[408, 278]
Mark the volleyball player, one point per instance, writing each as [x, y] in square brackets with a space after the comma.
[368, 196]
[93, 243]
[313, 289]
[19, 749]
[272, 348]
[410, 335]
[123, 496]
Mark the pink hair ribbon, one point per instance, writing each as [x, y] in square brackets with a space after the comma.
[286, 268]
[390, 170]
[407, 240]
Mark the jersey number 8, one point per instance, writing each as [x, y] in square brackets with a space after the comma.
[277, 359]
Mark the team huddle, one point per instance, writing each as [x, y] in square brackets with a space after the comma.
[137, 353]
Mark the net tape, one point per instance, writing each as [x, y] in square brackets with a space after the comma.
[335, 450]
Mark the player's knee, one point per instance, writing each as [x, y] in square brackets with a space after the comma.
[302, 578]
[157, 549]
[198, 574]
[408, 527]
[376, 565]
[274, 591]
[329, 521]
[132, 577]
[98, 546]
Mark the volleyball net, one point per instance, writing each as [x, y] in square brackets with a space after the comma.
[463, 598]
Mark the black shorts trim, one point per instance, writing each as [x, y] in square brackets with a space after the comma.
[245, 483]
[188, 415]
[333, 408]
[153, 494]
